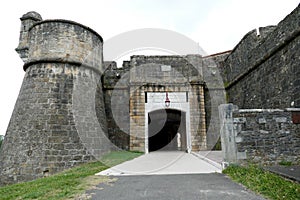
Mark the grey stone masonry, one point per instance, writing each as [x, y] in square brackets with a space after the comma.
[265, 136]
[116, 100]
[167, 74]
[27, 20]
[73, 107]
[59, 119]
[263, 70]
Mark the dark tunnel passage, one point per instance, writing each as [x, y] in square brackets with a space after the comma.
[167, 130]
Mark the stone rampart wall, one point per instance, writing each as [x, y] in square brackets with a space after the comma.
[262, 71]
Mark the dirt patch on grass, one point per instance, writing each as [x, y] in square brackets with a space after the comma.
[92, 183]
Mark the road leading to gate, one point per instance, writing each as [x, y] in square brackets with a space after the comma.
[163, 163]
[175, 187]
[169, 175]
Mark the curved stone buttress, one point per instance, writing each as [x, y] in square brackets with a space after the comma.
[58, 120]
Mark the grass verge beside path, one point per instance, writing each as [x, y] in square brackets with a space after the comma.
[66, 184]
[265, 183]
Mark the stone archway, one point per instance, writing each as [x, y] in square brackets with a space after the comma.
[178, 112]
[167, 130]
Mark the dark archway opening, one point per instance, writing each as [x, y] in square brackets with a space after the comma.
[167, 130]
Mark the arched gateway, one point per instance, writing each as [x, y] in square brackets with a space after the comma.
[166, 102]
[164, 125]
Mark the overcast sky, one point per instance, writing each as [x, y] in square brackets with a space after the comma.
[217, 25]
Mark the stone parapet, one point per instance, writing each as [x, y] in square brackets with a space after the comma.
[64, 41]
[262, 71]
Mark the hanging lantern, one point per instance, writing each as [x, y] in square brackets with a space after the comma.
[167, 101]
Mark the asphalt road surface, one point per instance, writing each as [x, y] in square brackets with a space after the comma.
[212, 186]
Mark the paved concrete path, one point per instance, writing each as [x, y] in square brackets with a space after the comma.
[215, 156]
[161, 162]
[170, 176]
[172, 187]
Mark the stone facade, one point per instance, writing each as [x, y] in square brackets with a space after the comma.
[268, 136]
[261, 77]
[263, 69]
[73, 107]
[264, 136]
[58, 120]
[126, 88]
[214, 95]
[116, 100]
[163, 74]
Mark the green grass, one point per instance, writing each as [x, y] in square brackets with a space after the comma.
[265, 183]
[285, 163]
[67, 184]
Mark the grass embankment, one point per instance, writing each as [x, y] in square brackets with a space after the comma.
[67, 184]
[265, 183]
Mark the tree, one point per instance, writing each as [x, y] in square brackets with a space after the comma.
[1, 139]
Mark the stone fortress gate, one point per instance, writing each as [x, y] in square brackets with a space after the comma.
[73, 107]
[162, 103]
[154, 123]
